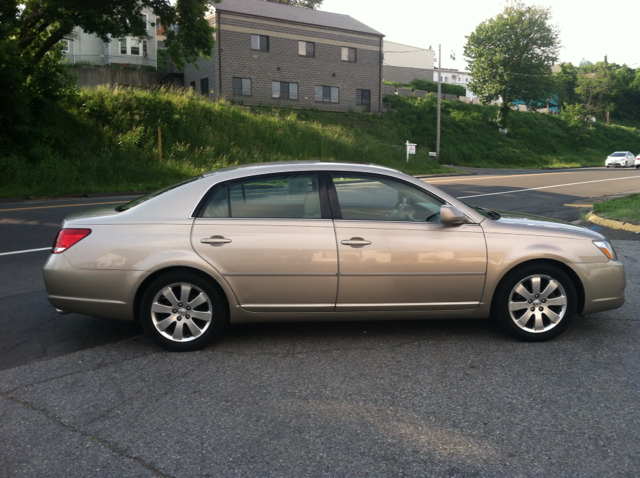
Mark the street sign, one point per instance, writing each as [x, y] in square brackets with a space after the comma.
[411, 149]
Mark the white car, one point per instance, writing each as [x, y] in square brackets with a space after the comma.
[620, 158]
[637, 162]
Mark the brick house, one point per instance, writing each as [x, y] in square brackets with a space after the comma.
[280, 55]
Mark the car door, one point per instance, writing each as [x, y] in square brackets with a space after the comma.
[393, 252]
[273, 241]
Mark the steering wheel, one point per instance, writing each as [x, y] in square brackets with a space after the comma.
[395, 214]
[435, 217]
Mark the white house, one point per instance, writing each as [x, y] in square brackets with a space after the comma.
[403, 63]
[84, 48]
[455, 77]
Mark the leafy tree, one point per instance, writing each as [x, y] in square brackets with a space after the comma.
[510, 57]
[30, 51]
[566, 82]
[598, 87]
[300, 3]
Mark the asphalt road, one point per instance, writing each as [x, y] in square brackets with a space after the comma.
[82, 396]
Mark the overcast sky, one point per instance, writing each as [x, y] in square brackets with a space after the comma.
[588, 29]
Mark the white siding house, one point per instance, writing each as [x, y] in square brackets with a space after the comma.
[84, 48]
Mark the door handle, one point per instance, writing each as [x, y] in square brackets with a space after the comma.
[355, 241]
[215, 240]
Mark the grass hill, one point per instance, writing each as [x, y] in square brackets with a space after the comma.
[107, 140]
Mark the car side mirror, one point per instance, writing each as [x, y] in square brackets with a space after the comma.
[451, 215]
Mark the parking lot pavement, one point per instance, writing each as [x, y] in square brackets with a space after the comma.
[424, 398]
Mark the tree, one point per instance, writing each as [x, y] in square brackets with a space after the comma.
[39, 25]
[566, 80]
[300, 3]
[31, 54]
[510, 57]
[598, 87]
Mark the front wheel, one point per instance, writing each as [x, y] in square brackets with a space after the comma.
[536, 303]
[181, 311]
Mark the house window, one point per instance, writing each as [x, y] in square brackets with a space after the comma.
[260, 42]
[135, 47]
[328, 94]
[65, 46]
[242, 86]
[286, 91]
[348, 54]
[123, 46]
[145, 51]
[363, 97]
[204, 86]
[306, 48]
[144, 20]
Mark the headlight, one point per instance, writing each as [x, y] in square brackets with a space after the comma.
[607, 249]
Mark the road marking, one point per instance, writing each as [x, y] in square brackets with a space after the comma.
[22, 252]
[546, 187]
[63, 205]
[497, 176]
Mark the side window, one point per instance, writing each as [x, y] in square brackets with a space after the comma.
[287, 196]
[260, 42]
[306, 48]
[369, 198]
[218, 205]
[242, 86]
[348, 54]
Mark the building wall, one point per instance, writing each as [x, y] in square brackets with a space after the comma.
[401, 74]
[206, 68]
[283, 64]
[397, 54]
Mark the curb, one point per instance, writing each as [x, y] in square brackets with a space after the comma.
[610, 223]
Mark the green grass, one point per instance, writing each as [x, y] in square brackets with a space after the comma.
[107, 140]
[625, 209]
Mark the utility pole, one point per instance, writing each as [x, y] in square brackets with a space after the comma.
[439, 100]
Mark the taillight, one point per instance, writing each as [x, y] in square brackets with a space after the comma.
[67, 238]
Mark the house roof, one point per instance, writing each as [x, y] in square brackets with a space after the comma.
[289, 13]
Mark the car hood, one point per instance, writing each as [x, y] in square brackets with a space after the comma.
[530, 224]
[616, 158]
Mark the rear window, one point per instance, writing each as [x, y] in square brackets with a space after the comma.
[145, 198]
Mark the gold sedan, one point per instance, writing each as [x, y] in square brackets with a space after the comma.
[309, 240]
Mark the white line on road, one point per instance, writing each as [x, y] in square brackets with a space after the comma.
[22, 252]
[546, 187]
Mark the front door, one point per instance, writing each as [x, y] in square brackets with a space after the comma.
[394, 254]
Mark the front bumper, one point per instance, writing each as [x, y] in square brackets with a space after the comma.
[604, 285]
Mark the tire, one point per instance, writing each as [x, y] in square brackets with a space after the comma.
[182, 311]
[533, 287]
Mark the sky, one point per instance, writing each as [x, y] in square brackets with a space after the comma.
[588, 29]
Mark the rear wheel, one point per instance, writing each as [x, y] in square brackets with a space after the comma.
[536, 302]
[182, 311]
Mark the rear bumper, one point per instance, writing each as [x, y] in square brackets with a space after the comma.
[102, 293]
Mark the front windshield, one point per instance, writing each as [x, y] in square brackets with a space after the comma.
[617, 155]
[145, 198]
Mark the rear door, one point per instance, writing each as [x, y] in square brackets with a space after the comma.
[273, 240]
